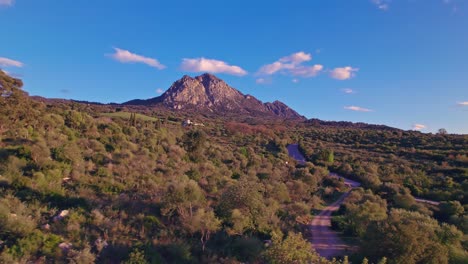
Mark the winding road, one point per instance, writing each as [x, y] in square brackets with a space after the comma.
[293, 151]
[323, 239]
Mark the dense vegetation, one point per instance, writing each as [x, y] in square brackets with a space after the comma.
[85, 183]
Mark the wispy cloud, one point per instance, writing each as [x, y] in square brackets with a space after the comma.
[159, 91]
[295, 80]
[6, 62]
[307, 71]
[463, 103]
[348, 91]
[7, 2]
[382, 4]
[261, 81]
[125, 56]
[343, 73]
[419, 127]
[358, 108]
[211, 65]
[451, 3]
[292, 65]
[296, 58]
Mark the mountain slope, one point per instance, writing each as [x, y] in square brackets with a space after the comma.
[208, 93]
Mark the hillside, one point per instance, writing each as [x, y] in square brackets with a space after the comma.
[86, 183]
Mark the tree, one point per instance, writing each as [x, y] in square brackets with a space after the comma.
[84, 256]
[203, 222]
[136, 257]
[449, 209]
[326, 155]
[181, 197]
[405, 237]
[360, 209]
[293, 249]
[246, 197]
[442, 131]
[194, 143]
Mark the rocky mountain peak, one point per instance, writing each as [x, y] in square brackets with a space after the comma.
[208, 77]
[204, 91]
[209, 93]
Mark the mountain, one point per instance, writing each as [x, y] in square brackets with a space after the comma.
[208, 93]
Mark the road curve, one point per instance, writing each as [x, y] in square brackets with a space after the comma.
[293, 151]
[324, 240]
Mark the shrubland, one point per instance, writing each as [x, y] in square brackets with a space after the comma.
[85, 183]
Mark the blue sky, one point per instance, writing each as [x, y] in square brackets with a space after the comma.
[402, 63]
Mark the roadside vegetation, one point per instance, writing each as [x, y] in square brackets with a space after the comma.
[84, 183]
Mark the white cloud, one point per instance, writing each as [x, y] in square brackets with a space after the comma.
[419, 127]
[358, 109]
[463, 103]
[126, 56]
[381, 4]
[270, 69]
[307, 71]
[343, 73]
[295, 80]
[292, 65]
[261, 81]
[7, 2]
[296, 58]
[5, 62]
[348, 91]
[210, 65]
[159, 91]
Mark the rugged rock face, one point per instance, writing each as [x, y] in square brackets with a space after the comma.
[205, 91]
[209, 93]
[280, 109]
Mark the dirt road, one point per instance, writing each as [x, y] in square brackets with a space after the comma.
[323, 239]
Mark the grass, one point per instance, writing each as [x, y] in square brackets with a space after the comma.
[126, 115]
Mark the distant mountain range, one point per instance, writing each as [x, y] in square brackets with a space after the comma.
[208, 93]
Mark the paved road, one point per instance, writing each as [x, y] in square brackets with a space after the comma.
[293, 150]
